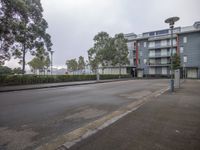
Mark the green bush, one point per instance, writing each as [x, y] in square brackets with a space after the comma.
[38, 79]
[112, 76]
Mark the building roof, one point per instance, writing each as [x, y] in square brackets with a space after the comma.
[164, 32]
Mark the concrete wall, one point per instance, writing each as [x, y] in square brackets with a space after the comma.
[191, 49]
[112, 70]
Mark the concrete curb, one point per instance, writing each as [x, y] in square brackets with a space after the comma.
[66, 141]
[63, 85]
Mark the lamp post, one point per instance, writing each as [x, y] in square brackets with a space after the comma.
[51, 61]
[171, 22]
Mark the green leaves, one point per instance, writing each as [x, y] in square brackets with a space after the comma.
[81, 63]
[41, 61]
[22, 24]
[108, 51]
[176, 62]
[72, 65]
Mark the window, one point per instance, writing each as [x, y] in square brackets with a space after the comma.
[164, 52]
[181, 49]
[163, 42]
[185, 59]
[130, 54]
[151, 33]
[151, 44]
[185, 39]
[145, 61]
[162, 32]
[163, 60]
[174, 41]
[152, 61]
[152, 71]
[130, 45]
[140, 53]
[131, 61]
[164, 70]
[152, 53]
[145, 44]
[173, 51]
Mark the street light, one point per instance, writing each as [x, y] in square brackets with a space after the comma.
[171, 22]
[51, 61]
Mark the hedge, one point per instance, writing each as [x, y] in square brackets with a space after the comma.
[38, 79]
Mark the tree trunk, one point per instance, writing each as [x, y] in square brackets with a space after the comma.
[23, 59]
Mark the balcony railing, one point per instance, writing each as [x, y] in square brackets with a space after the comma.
[159, 64]
[159, 55]
[160, 37]
[162, 46]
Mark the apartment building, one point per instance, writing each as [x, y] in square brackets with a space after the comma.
[149, 52]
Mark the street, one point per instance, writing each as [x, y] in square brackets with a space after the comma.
[167, 122]
[31, 118]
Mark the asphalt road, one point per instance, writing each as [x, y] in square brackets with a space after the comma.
[168, 122]
[31, 118]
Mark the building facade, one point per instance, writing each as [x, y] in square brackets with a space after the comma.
[149, 52]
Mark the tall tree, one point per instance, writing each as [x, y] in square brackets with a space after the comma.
[22, 29]
[72, 65]
[81, 63]
[41, 61]
[102, 51]
[93, 62]
[108, 51]
[121, 51]
[101, 47]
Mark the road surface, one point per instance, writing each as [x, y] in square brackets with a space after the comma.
[29, 119]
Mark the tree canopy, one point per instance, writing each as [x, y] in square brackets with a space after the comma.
[4, 70]
[41, 61]
[81, 63]
[108, 51]
[22, 29]
[72, 65]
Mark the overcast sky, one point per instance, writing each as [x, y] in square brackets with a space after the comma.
[73, 23]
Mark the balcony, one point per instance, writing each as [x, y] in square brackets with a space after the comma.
[159, 55]
[159, 46]
[159, 64]
[161, 37]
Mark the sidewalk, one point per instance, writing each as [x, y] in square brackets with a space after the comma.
[168, 122]
[53, 85]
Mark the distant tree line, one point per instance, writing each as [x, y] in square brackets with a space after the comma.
[4, 70]
[23, 30]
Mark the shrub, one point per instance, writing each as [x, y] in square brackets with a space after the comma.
[38, 79]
